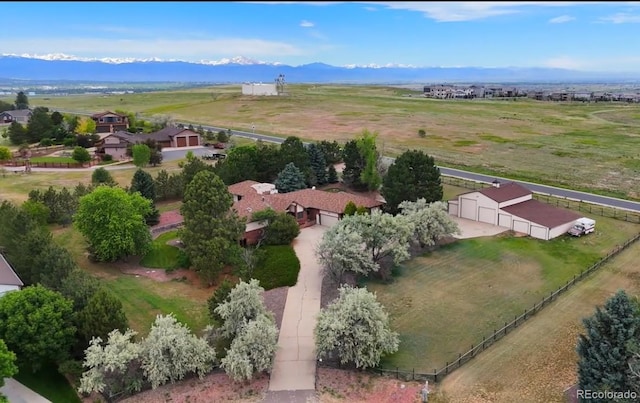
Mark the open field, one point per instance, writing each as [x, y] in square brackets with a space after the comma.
[444, 302]
[60, 160]
[537, 361]
[142, 298]
[583, 146]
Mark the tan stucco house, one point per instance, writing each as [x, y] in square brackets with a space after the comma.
[512, 206]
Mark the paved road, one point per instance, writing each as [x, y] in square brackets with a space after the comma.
[534, 187]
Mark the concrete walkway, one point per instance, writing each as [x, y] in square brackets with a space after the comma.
[16, 392]
[295, 361]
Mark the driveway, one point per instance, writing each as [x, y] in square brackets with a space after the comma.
[16, 392]
[475, 229]
[295, 361]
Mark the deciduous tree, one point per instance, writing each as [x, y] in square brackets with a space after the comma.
[341, 250]
[412, 176]
[171, 351]
[604, 351]
[253, 350]
[5, 154]
[239, 165]
[102, 177]
[113, 222]
[290, 179]
[141, 155]
[431, 221]
[81, 155]
[243, 305]
[8, 366]
[35, 323]
[292, 150]
[85, 125]
[211, 228]
[367, 148]
[355, 327]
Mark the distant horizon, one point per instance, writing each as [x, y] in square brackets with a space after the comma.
[582, 36]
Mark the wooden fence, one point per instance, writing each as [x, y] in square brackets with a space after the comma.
[439, 374]
[572, 204]
[24, 163]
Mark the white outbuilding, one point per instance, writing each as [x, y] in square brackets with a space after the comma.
[512, 206]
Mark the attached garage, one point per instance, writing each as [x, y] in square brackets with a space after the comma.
[486, 215]
[193, 141]
[468, 209]
[327, 219]
[504, 220]
[538, 231]
[181, 141]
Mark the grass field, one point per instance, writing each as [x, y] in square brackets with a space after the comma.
[48, 383]
[60, 160]
[161, 255]
[444, 302]
[141, 297]
[537, 361]
[586, 146]
[279, 268]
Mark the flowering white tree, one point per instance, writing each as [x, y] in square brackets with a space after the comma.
[171, 351]
[243, 304]
[431, 220]
[252, 350]
[355, 327]
[114, 368]
[342, 250]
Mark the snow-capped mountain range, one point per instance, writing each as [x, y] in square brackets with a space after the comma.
[59, 66]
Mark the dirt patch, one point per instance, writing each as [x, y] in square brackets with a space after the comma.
[337, 385]
[275, 301]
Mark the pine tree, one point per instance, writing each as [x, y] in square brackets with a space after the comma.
[605, 350]
[318, 164]
[143, 182]
[332, 175]
[290, 179]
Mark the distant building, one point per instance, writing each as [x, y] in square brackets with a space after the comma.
[109, 122]
[259, 89]
[20, 116]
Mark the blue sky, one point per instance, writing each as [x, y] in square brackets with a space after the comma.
[592, 36]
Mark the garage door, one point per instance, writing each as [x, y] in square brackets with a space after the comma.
[538, 232]
[487, 215]
[181, 141]
[504, 220]
[453, 208]
[468, 209]
[193, 141]
[521, 226]
[327, 220]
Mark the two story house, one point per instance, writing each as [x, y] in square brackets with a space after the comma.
[109, 122]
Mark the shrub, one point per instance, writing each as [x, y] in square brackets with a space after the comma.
[279, 268]
[46, 142]
[107, 157]
[422, 133]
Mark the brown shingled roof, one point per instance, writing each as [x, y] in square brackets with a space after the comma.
[505, 192]
[542, 213]
[7, 275]
[243, 188]
[334, 202]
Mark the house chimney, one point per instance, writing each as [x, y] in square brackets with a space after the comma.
[496, 183]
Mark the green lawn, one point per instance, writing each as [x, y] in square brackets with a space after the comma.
[57, 160]
[142, 297]
[161, 255]
[50, 384]
[279, 267]
[443, 302]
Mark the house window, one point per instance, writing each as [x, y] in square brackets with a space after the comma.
[101, 120]
[300, 215]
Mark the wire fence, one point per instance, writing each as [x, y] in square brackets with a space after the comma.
[487, 341]
[572, 204]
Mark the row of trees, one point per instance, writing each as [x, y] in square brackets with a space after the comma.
[52, 319]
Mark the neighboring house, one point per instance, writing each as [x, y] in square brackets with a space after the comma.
[308, 206]
[9, 280]
[173, 136]
[512, 206]
[20, 116]
[115, 144]
[109, 122]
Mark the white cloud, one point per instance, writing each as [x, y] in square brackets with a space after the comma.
[564, 62]
[561, 19]
[622, 18]
[307, 24]
[162, 48]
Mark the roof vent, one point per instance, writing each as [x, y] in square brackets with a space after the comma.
[313, 187]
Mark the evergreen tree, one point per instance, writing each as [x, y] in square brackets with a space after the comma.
[605, 350]
[318, 164]
[290, 179]
[102, 314]
[143, 183]
[102, 177]
[17, 133]
[412, 176]
[22, 101]
[211, 227]
[354, 163]
[332, 175]
[40, 125]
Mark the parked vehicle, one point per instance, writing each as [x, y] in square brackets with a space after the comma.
[216, 156]
[583, 226]
[219, 146]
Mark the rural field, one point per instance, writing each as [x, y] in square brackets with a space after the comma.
[443, 302]
[583, 146]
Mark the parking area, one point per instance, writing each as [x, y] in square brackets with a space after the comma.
[475, 229]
